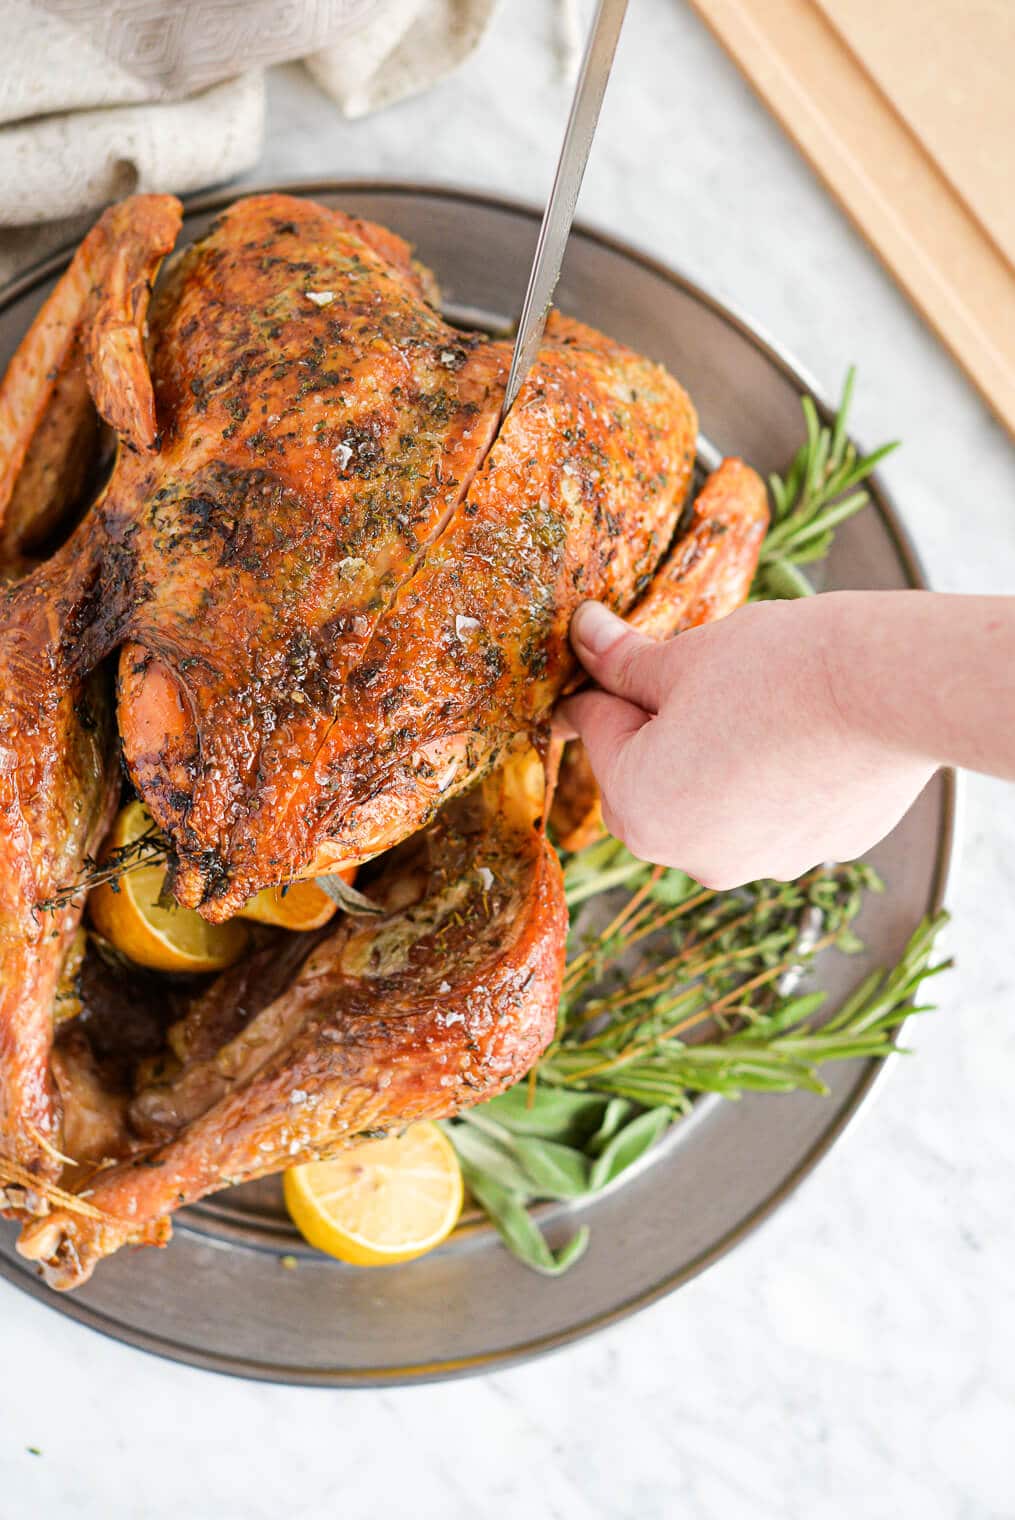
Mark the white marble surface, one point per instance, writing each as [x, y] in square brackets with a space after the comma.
[856, 1358]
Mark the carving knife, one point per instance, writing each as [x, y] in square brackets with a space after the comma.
[559, 213]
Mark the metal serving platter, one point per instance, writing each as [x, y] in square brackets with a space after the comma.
[221, 1296]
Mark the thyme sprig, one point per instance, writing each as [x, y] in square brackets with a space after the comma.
[149, 848]
[677, 961]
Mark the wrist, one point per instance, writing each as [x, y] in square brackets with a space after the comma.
[877, 651]
[926, 674]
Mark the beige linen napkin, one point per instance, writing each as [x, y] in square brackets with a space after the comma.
[100, 98]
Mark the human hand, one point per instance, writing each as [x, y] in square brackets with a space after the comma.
[751, 747]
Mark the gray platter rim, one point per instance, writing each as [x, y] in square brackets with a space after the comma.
[433, 1371]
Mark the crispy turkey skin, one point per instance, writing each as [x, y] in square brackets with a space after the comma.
[335, 586]
[349, 589]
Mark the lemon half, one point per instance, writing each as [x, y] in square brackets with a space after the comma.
[381, 1201]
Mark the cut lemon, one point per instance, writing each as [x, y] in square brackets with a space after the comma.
[381, 1201]
[127, 912]
[301, 906]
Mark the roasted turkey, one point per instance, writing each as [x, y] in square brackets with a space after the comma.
[333, 584]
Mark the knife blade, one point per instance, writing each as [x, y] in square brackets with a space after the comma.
[559, 214]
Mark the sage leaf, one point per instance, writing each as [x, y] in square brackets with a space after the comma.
[484, 1155]
[347, 897]
[549, 1112]
[616, 1114]
[628, 1146]
[519, 1231]
[573, 1250]
[557, 1171]
[480, 1119]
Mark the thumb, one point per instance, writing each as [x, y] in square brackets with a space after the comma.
[619, 659]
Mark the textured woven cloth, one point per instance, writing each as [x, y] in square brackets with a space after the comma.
[100, 98]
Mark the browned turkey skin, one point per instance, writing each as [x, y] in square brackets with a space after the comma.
[337, 588]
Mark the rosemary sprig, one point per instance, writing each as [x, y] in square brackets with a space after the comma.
[820, 490]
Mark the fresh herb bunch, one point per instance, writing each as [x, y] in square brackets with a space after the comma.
[820, 490]
[684, 991]
[673, 990]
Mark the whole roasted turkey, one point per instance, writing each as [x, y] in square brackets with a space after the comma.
[318, 613]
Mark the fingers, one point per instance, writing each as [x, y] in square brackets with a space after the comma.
[606, 724]
[620, 660]
[560, 727]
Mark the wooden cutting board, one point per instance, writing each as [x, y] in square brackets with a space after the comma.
[906, 108]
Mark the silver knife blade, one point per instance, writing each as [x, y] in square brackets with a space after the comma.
[559, 214]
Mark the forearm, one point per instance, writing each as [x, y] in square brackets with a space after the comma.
[933, 674]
